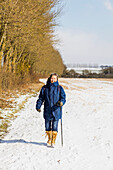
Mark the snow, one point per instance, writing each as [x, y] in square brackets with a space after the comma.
[87, 132]
[81, 69]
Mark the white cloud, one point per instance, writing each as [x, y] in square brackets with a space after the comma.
[108, 5]
[81, 47]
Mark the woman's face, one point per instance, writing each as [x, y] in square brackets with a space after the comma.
[53, 79]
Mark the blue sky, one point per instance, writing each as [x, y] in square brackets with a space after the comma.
[86, 31]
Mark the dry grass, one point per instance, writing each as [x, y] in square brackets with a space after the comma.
[72, 87]
[65, 87]
[5, 104]
[69, 81]
[107, 79]
[78, 88]
[3, 128]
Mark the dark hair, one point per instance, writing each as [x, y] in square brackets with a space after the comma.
[54, 74]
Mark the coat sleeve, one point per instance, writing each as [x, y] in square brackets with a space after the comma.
[40, 99]
[62, 95]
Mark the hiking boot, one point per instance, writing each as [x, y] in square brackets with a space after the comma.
[54, 135]
[49, 133]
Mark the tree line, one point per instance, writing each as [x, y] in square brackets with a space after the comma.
[105, 73]
[27, 40]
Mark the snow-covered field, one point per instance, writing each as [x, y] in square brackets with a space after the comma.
[87, 131]
[90, 69]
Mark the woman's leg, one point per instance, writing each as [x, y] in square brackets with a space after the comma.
[54, 131]
[48, 131]
[55, 125]
[47, 125]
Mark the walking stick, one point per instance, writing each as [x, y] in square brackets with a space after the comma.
[61, 129]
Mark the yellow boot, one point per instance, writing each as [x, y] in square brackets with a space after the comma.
[54, 135]
[49, 142]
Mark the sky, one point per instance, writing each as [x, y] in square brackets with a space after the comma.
[85, 32]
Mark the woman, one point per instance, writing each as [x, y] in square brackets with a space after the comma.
[53, 96]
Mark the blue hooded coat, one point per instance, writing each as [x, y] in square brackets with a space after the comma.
[50, 94]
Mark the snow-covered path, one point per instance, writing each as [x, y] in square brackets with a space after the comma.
[87, 127]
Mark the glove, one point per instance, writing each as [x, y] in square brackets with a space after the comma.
[39, 110]
[59, 103]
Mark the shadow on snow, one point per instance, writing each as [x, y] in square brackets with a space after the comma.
[22, 141]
